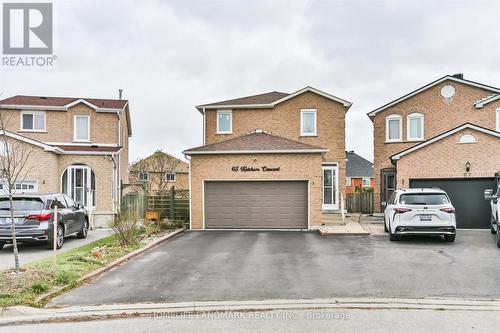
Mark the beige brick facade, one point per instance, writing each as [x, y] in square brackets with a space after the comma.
[440, 115]
[292, 167]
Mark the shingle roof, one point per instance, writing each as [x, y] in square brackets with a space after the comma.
[357, 166]
[265, 98]
[144, 165]
[255, 142]
[62, 101]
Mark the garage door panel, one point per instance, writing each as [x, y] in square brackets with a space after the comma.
[472, 211]
[256, 204]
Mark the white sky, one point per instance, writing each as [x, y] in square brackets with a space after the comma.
[169, 56]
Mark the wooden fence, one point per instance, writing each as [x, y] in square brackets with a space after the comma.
[173, 204]
[359, 202]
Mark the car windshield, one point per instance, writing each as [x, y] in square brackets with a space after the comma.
[22, 204]
[424, 199]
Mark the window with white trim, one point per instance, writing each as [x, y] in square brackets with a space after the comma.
[170, 177]
[308, 122]
[348, 181]
[224, 122]
[20, 187]
[82, 128]
[498, 120]
[143, 176]
[366, 182]
[415, 127]
[393, 128]
[33, 121]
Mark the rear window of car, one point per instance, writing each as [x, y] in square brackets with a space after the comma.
[24, 204]
[424, 199]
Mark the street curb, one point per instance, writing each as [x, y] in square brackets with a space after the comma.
[109, 266]
[167, 310]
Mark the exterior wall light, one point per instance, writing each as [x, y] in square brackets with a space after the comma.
[467, 166]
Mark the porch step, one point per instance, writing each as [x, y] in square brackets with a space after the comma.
[332, 219]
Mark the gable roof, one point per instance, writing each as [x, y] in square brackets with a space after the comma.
[482, 102]
[430, 85]
[267, 100]
[357, 166]
[257, 142]
[441, 136]
[181, 166]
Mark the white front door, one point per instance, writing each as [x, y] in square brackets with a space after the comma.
[330, 187]
[80, 185]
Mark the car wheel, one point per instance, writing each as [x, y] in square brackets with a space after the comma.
[2, 245]
[492, 228]
[84, 230]
[392, 237]
[449, 238]
[385, 225]
[60, 238]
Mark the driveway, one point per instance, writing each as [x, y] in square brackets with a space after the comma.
[31, 252]
[239, 265]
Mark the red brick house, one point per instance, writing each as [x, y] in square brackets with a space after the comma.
[359, 173]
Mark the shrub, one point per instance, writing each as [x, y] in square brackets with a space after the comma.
[126, 227]
[39, 287]
[65, 277]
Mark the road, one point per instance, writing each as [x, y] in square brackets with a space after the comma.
[32, 252]
[370, 321]
[239, 265]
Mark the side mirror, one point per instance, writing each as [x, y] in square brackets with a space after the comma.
[488, 195]
[80, 206]
[384, 204]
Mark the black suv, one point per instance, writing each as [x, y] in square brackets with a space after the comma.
[34, 217]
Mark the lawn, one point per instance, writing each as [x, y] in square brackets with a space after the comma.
[38, 278]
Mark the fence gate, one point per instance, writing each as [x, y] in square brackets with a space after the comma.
[360, 202]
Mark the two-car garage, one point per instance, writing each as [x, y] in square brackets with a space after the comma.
[472, 211]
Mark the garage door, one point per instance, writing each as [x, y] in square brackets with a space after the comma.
[472, 211]
[256, 205]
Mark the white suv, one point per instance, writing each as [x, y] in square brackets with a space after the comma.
[422, 211]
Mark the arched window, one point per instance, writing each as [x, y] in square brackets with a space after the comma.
[393, 128]
[78, 181]
[415, 127]
[467, 138]
[498, 120]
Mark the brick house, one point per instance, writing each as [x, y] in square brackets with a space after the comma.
[269, 161]
[359, 173]
[159, 172]
[78, 146]
[444, 134]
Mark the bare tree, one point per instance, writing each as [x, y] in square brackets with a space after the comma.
[158, 166]
[14, 157]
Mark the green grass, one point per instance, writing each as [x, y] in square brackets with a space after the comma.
[38, 278]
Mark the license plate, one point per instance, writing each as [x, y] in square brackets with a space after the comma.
[425, 218]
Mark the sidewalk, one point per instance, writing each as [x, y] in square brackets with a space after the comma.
[355, 225]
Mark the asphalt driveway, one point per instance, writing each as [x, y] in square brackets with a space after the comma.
[239, 265]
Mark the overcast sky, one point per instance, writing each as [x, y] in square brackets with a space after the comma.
[169, 56]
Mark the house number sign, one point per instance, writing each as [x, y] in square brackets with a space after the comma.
[255, 169]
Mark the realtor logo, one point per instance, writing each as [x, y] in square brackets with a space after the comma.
[27, 28]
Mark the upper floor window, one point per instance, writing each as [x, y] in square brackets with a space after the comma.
[308, 122]
[415, 127]
[394, 127]
[143, 176]
[224, 122]
[82, 128]
[498, 120]
[366, 182]
[33, 121]
[170, 177]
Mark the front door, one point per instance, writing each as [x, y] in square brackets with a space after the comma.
[387, 186]
[80, 185]
[330, 188]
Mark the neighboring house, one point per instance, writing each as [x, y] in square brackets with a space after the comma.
[272, 160]
[359, 173]
[444, 134]
[79, 146]
[159, 172]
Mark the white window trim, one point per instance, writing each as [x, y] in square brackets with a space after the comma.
[413, 116]
[3, 188]
[392, 117]
[313, 111]
[139, 176]
[230, 113]
[170, 173]
[34, 113]
[74, 128]
[366, 179]
[498, 119]
[348, 181]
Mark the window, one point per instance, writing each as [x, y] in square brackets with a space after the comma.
[69, 202]
[308, 122]
[170, 177]
[33, 121]
[467, 138]
[19, 187]
[424, 199]
[498, 120]
[393, 126]
[415, 127]
[59, 202]
[224, 122]
[82, 128]
[366, 182]
[348, 182]
[143, 176]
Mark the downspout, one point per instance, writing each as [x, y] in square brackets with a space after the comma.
[204, 126]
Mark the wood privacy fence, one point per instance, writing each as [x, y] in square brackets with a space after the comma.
[173, 204]
[359, 202]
